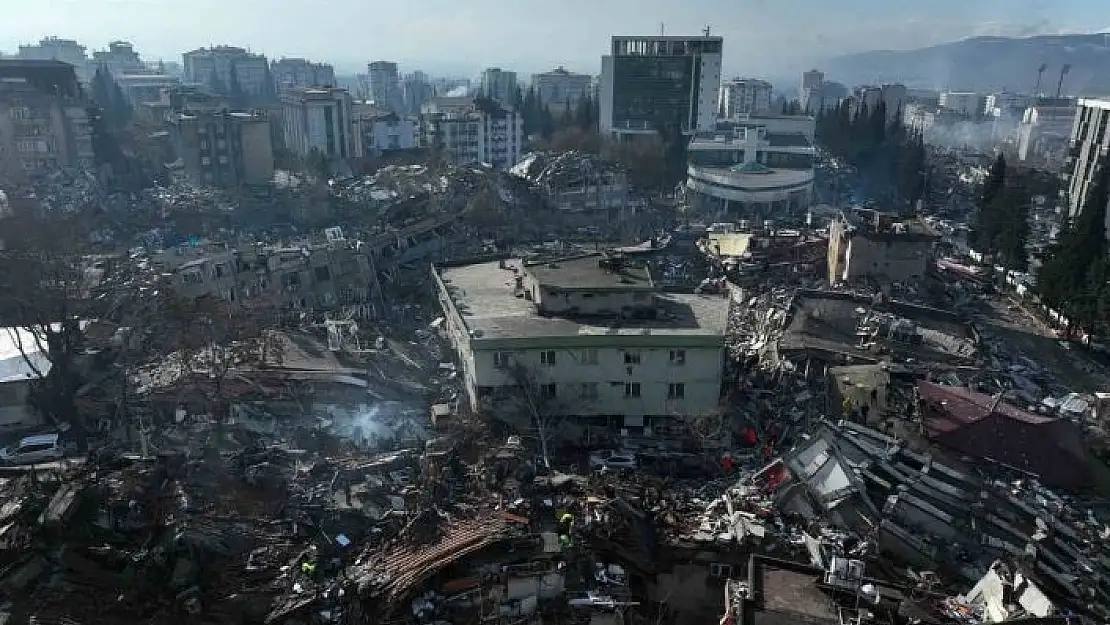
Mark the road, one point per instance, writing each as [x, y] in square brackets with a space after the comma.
[1011, 330]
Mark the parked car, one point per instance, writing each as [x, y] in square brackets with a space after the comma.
[33, 449]
[612, 460]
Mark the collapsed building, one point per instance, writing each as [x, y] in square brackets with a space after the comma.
[907, 507]
[844, 328]
[869, 245]
[575, 181]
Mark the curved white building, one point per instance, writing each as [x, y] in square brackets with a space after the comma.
[758, 167]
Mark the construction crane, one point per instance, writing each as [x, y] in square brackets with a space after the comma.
[1060, 83]
[1040, 74]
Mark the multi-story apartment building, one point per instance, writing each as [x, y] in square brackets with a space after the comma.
[120, 58]
[310, 277]
[757, 167]
[819, 95]
[44, 120]
[297, 73]
[745, 95]
[892, 96]
[589, 337]
[1005, 104]
[646, 81]
[64, 50]
[812, 79]
[223, 149]
[474, 130]
[500, 85]
[1045, 129]
[384, 85]
[145, 88]
[1089, 145]
[217, 64]
[383, 131]
[965, 103]
[560, 88]
[416, 90]
[319, 120]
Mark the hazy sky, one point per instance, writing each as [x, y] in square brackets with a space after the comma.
[762, 37]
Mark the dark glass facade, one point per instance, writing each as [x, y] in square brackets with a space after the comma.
[653, 90]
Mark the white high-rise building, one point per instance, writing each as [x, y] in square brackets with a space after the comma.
[745, 95]
[635, 101]
[966, 103]
[319, 120]
[1090, 141]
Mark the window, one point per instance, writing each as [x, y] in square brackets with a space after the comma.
[219, 270]
[589, 356]
[588, 390]
[547, 358]
[502, 360]
[678, 356]
[322, 273]
[676, 390]
[632, 389]
[192, 277]
[632, 358]
[548, 391]
[720, 570]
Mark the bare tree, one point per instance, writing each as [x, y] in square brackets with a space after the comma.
[53, 288]
[546, 409]
[214, 338]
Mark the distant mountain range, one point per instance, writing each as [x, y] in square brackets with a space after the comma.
[986, 64]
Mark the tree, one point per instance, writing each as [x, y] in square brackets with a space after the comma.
[1069, 279]
[234, 88]
[546, 123]
[1011, 208]
[566, 119]
[216, 85]
[986, 225]
[216, 337]
[53, 290]
[584, 113]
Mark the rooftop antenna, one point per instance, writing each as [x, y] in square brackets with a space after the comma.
[662, 29]
[706, 31]
[1060, 84]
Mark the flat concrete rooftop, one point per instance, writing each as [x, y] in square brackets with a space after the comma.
[585, 272]
[483, 296]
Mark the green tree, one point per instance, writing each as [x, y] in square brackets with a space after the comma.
[546, 122]
[584, 113]
[566, 119]
[1071, 280]
[235, 91]
[986, 222]
[216, 85]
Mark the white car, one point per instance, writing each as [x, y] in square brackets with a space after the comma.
[33, 449]
[612, 460]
